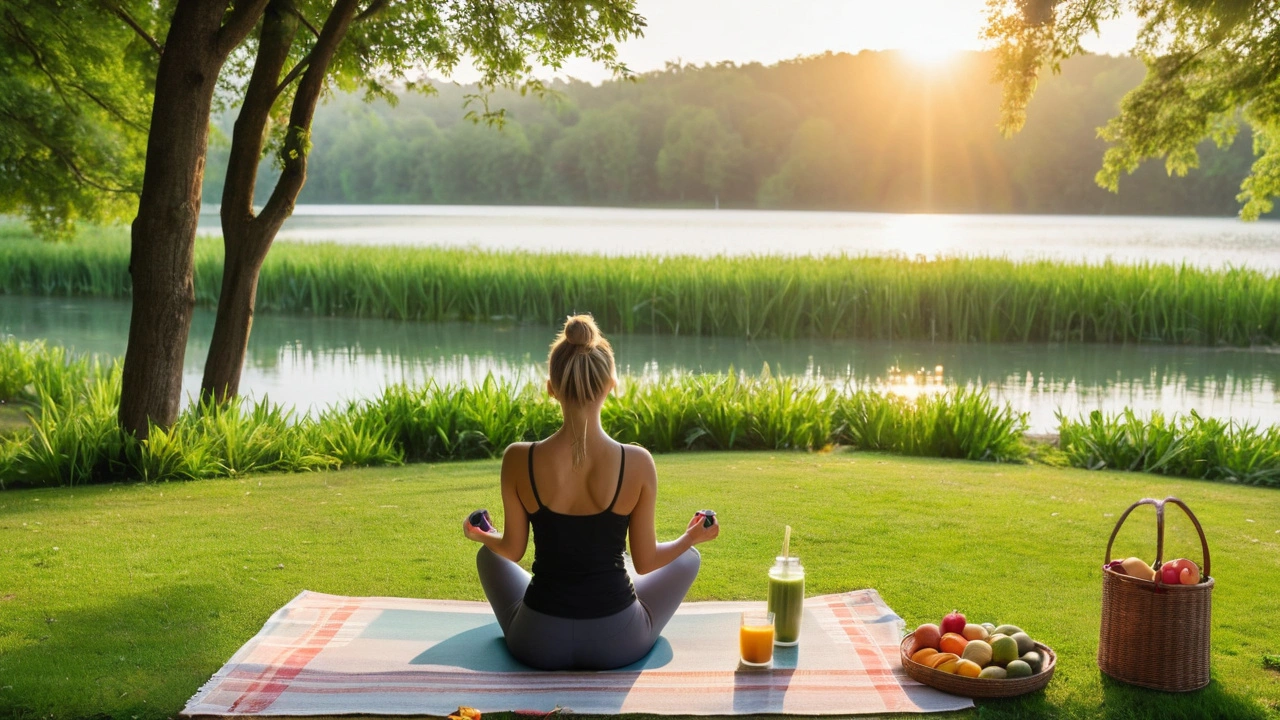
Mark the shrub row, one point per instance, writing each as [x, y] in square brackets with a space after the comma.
[74, 437]
[1183, 445]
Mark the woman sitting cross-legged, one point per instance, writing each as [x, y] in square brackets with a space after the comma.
[584, 494]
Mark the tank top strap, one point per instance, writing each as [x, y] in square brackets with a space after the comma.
[532, 485]
[622, 467]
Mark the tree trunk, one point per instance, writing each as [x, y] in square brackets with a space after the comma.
[201, 35]
[244, 239]
[247, 237]
[234, 321]
[163, 236]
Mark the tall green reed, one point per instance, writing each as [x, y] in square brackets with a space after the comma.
[953, 300]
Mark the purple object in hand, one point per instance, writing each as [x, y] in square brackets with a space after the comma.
[480, 520]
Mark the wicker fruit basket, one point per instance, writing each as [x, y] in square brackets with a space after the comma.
[1156, 635]
[978, 687]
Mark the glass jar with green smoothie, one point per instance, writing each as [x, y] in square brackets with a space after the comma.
[786, 598]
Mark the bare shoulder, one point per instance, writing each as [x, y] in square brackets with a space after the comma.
[516, 450]
[640, 465]
[515, 456]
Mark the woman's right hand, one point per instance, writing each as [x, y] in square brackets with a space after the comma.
[473, 533]
[700, 534]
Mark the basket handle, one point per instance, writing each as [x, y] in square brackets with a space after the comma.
[1159, 506]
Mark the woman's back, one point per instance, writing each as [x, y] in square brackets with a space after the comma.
[578, 566]
[585, 497]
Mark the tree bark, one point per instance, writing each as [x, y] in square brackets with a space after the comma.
[234, 321]
[163, 234]
[247, 237]
[244, 239]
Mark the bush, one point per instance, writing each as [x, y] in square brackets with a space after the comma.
[1184, 445]
[75, 438]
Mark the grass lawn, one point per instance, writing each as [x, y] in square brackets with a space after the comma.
[120, 601]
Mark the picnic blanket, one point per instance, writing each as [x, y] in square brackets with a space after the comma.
[331, 655]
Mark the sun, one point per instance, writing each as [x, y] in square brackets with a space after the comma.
[929, 54]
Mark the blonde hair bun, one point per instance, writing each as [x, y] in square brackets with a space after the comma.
[580, 363]
[581, 330]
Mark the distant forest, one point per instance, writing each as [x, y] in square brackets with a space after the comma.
[871, 132]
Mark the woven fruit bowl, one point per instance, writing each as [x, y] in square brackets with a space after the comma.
[978, 687]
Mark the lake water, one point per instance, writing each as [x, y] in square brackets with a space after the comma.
[312, 362]
[616, 231]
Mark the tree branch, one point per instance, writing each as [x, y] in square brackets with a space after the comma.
[63, 155]
[279, 29]
[293, 74]
[374, 8]
[117, 114]
[38, 59]
[297, 137]
[128, 20]
[239, 24]
[298, 14]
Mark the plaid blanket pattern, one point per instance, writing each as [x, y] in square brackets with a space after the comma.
[331, 655]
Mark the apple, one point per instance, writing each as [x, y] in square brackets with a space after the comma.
[953, 623]
[1170, 575]
[928, 636]
[1188, 572]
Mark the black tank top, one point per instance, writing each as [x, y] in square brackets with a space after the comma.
[578, 570]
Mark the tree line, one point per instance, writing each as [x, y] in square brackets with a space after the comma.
[871, 132]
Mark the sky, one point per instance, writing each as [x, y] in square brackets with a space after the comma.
[702, 31]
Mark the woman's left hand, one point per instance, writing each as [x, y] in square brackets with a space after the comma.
[698, 533]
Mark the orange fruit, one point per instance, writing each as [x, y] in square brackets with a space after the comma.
[968, 668]
[922, 655]
[935, 660]
[947, 667]
[952, 643]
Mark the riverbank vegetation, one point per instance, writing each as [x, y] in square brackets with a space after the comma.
[879, 298]
[873, 131]
[1183, 445]
[74, 437]
[120, 601]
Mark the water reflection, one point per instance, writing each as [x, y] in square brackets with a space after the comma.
[912, 384]
[1092, 238]
[311, 362]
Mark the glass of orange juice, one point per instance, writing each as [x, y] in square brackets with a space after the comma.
[755, 637]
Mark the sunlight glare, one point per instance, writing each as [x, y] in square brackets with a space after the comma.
[929, 54]
[920, 236]
[912, 385]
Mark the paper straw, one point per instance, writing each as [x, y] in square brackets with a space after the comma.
[786, 543]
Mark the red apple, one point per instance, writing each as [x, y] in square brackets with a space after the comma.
[1170, 573]
[954, 623]
[1188, 571]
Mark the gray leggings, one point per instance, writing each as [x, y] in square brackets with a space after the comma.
[554, 643]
